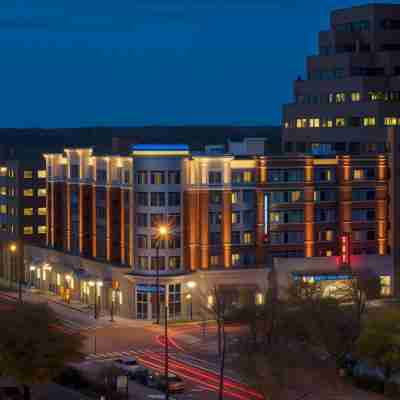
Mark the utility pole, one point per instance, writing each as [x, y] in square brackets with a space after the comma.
[166, 353]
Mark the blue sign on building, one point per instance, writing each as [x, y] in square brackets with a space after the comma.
[146, 288]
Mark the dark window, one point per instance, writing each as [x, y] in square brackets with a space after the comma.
[215, 197]
[101, 212]
[215, 238]
[141, 219]
[174, 198]
[101, 175]
[74, 170]
[142, 198]
[236, 237]
[157, 199]
[174, 177]
[174, 242]
[214, 177]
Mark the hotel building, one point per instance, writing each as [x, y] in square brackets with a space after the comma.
[228, 217]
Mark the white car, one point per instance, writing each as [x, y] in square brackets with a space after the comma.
[128, 365]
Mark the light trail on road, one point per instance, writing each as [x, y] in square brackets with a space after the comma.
[199, 375]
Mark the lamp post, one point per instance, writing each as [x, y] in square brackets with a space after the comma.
[32, 270]
[13, 250]
[113, 294]
[68, 279]
[96, 284]
[191, 285]
[162, 233]
[166, 353]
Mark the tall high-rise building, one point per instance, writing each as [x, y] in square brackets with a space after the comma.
[351, 94]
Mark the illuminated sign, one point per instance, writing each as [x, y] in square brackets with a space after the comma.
[266, 215]
[145, 288]
[319, 278]
[345, 249]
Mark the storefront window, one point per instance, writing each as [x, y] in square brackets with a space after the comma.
[174, 301]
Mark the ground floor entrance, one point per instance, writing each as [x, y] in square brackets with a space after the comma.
[148, 301]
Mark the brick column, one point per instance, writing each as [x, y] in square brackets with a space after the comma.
[260, 228]
[68, 217]
[191, 228]
[49, 215]
[227, 228]
[94, 222]
[122, 226]
[204, 229]
[309, 210]
[108, 224]
[81, 219]
[132, 214]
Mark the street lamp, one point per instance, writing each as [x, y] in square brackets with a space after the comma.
[191, 285]
[68, 279]
[96, 284]
[162, 234]
[32, 270]
[13, 249]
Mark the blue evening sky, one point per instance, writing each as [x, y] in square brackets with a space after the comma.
[67, 63]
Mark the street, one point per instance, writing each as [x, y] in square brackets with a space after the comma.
[108, 340]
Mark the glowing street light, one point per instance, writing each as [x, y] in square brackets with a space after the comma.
[162, 234]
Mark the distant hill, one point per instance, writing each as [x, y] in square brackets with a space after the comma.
[31, 142]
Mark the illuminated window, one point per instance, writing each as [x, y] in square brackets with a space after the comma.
[327, 123]
[210, 300]
[42, 192]
[236, 217]
[28, 230]
[314, 123]
[42, 229]
[340, 122]
[329, 253]
[28, 192]
[120, 297]
[247, 177]
[42, 211]
[3, 209]
[214, 260]
[28, 211]
[301, 123]
[38, 274]
[355, 96]
[247, 237]
[286, 124]
[259, 299]
[235, 197]
[28, 174]
[340, 97]
[235, 259]
[58, 279]
[11, 173]
[12, 211]
[369, 121]
[308, 279]
[42, 173]
[3, 190]
[386, 285]
[390, 121]
[3, 171]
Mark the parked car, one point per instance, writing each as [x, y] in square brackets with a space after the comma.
[175, 383]
[128, 365]
[157, 380]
